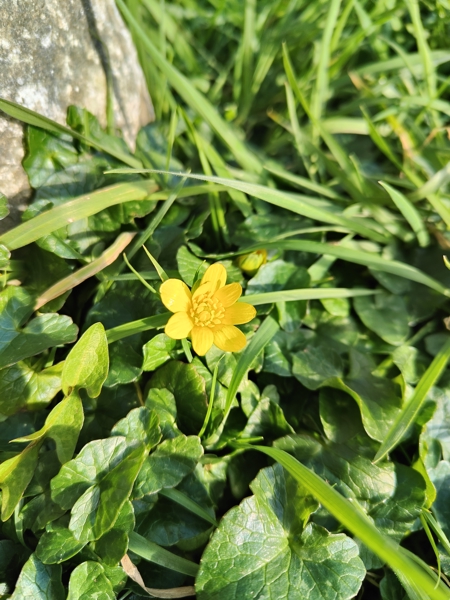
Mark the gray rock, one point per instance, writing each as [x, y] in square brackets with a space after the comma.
[56, 53]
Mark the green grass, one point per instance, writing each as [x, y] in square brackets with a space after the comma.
[319, 133]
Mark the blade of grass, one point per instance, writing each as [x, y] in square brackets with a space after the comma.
[360, 257]
[355, 520]
[94, 267]
[30, 117]
[195, 99]
[73, 210]
[246, 51]
[138, 276]
[150, 230]
[438, 57]
[302, 205]
[412, 408]
[261, 338]
[183, 500]
[302, 182]
[410, 213]
[121, 331]
[320, 94]
[305, 294]
[160, 556]
[211, 399]
[422, 45]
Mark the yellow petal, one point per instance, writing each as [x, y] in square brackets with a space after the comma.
[229, 294]
[215, 276]
[175, 295]
[230, 339]
[202, 339]
[239, 313]
[179, 326]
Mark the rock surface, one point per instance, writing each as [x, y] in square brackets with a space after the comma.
[54, 54]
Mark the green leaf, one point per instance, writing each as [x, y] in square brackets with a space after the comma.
[125, 363]
[158, 351]
[87, 364]
[261, 546]
[33, 118]
[15, 475]
[39, 582]
[58, 543]
[440, 477]
[97, 510]
[88, 581]
[412, 408]
[41, 333]
[4, 210]
[190, 266]
[180, 517]
[63, 425]
[188, 387]
[172, 460]
[391, 495]
[140, 425]
[24, 387]
[434, 443]
[354, 519]
[113, 545]
[93, 463]
[163, 403]
[386, 315]
[317, 365]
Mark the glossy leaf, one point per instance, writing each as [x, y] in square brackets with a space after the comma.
[87, 364]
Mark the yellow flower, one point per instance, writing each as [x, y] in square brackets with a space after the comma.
[208, 314]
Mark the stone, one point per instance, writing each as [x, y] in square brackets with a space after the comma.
[56, 53]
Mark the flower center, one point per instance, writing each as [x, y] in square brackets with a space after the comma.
[206, 310]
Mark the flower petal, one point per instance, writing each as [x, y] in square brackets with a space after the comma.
[215, 276]
[229, 294]
[230, 339]
[239, 313]
[179, 326]
[175, 295]
[202, 339]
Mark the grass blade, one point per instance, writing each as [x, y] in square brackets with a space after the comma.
[73, 210]
[127, 329]
[409, 413]
[304, 294]
[193, 97]
[321, 89]
[183, 500]
[36, 120]
[160, 556]
[261, 338]
[356, 521]
[97, 265]
[410, 213]
[360, 257]
[299, 204]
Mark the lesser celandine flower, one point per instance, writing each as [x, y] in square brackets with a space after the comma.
[209, 313]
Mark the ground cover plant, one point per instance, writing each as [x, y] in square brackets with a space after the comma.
[300, 156]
